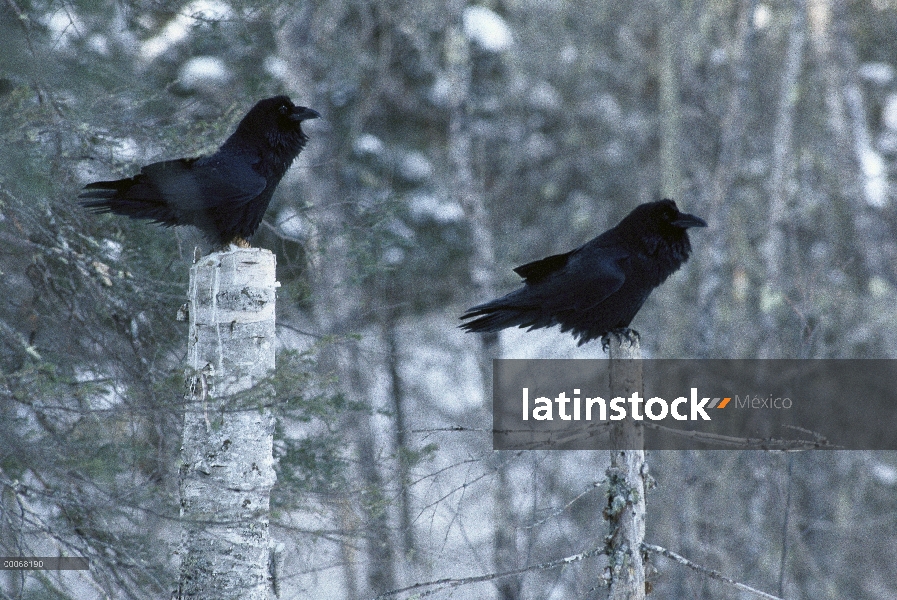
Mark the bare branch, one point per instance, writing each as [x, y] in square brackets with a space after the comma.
[708, 572]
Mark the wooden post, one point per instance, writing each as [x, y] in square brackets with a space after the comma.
[227, 466]
[625, 510]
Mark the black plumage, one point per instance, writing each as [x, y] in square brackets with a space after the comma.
[224, 194]
[599, 287]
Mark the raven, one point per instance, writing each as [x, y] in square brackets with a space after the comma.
[597, 288]
[225, 194]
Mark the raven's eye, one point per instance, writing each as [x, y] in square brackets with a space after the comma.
[284, 109]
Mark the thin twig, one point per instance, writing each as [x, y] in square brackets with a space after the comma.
[457, 582]
[708, 572]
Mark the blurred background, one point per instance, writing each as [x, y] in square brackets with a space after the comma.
[458, 140]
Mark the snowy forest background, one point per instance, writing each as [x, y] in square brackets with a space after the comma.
[458, 140]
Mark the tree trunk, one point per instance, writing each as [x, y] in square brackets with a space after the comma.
[625, 511]
[836, 58]
[375, 500]
[715, 338]
[781, 182]
[400, 435]
[227, 466]
[470, 194]
[670, 107]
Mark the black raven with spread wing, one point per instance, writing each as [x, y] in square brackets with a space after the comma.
[599, 287]
[225, 194]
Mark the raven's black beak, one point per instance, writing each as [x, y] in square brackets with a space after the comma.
[301, 113]
[685, 220]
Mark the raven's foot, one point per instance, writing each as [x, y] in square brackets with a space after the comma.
[240, 242]
[630, 335]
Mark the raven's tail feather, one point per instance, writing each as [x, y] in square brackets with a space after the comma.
[114, 197]
[495, 316]
[490, 322]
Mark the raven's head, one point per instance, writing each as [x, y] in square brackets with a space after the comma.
[662, 216]
[660, 227]
[670, 213]
[277, 113]
[275, 124]
[289, 116]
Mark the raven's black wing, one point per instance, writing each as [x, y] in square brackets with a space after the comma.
[536, 271]
[556, 289]
[222, 179]
[189, 184]
[576, 280]
[167, 192]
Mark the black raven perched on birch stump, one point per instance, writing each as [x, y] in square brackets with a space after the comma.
[224, 194]
[596, 289]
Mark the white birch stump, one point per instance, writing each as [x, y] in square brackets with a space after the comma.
[227, 467]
